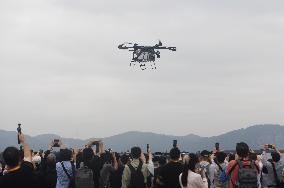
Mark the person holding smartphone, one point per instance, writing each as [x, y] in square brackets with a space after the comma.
[272, 164]
[169, 174]
[192, 176]
[19, 174]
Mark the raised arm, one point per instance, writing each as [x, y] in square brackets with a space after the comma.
[26, 148]
[150, 165]
[276, 149]
[115, 163]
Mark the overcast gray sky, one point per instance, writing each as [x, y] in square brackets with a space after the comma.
[61, 71]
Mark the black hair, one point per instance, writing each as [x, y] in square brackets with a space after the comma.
[11, 156]
[220, 157]
[205, 156]
[231, 157]
[124, 159]
[193, 160]
[253, 156]
[106, 157]
[242, 149]
[117, 156]
[51, 161]
[275, 156]
[87, 154]
[65, 155]
[162, 160]
[136, 152]
[46, 153]
[175, 153]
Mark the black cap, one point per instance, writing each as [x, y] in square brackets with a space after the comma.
[205, 153]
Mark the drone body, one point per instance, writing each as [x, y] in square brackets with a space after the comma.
[144, 54]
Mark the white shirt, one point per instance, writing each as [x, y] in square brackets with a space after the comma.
[194, 180]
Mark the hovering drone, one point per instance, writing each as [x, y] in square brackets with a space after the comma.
[144, 54]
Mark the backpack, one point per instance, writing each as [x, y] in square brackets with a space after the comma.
[247, 177]
[84, 177]
[279, 184]
[222, 177]
[137, 177]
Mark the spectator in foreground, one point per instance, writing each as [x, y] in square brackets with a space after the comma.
[207, 166]
[18, 174]
[273, 165]
[48, 176]
[136, 172]
[189, 178]
[221, 180]
[65, 170]
[162, 161]
[116, 176]
[109, 167]
[94, 163]
[239, 168]
[169, 174]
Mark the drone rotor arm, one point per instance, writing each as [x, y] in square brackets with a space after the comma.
[172, 48]
[123, 47]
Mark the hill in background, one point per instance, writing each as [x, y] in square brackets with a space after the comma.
[255, 136]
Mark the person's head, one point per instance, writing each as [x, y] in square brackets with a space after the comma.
[175, 154]
[242, 150]
[51, 160]
[65, 155]
[231, 157]
[46, 153]
[107, 157]
[88, 154]
[11, 156]
[220, 157]
[124, 159]
[136, 152]
[162, 161]
[191, 165]
[275, 157]
[205, 155]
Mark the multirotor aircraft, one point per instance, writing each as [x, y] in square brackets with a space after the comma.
[144, 54]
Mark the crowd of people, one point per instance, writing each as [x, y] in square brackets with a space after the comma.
[99, 168]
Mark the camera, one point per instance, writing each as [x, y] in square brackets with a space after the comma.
[174, 143]
[270, 146]
[56, 143]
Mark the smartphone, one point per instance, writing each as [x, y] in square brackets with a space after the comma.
[217, 146]
[97, 147]
[174, 143]
[19, 130]
[148, 147]
[270, 146]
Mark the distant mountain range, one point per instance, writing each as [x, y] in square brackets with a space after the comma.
[255, 136]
